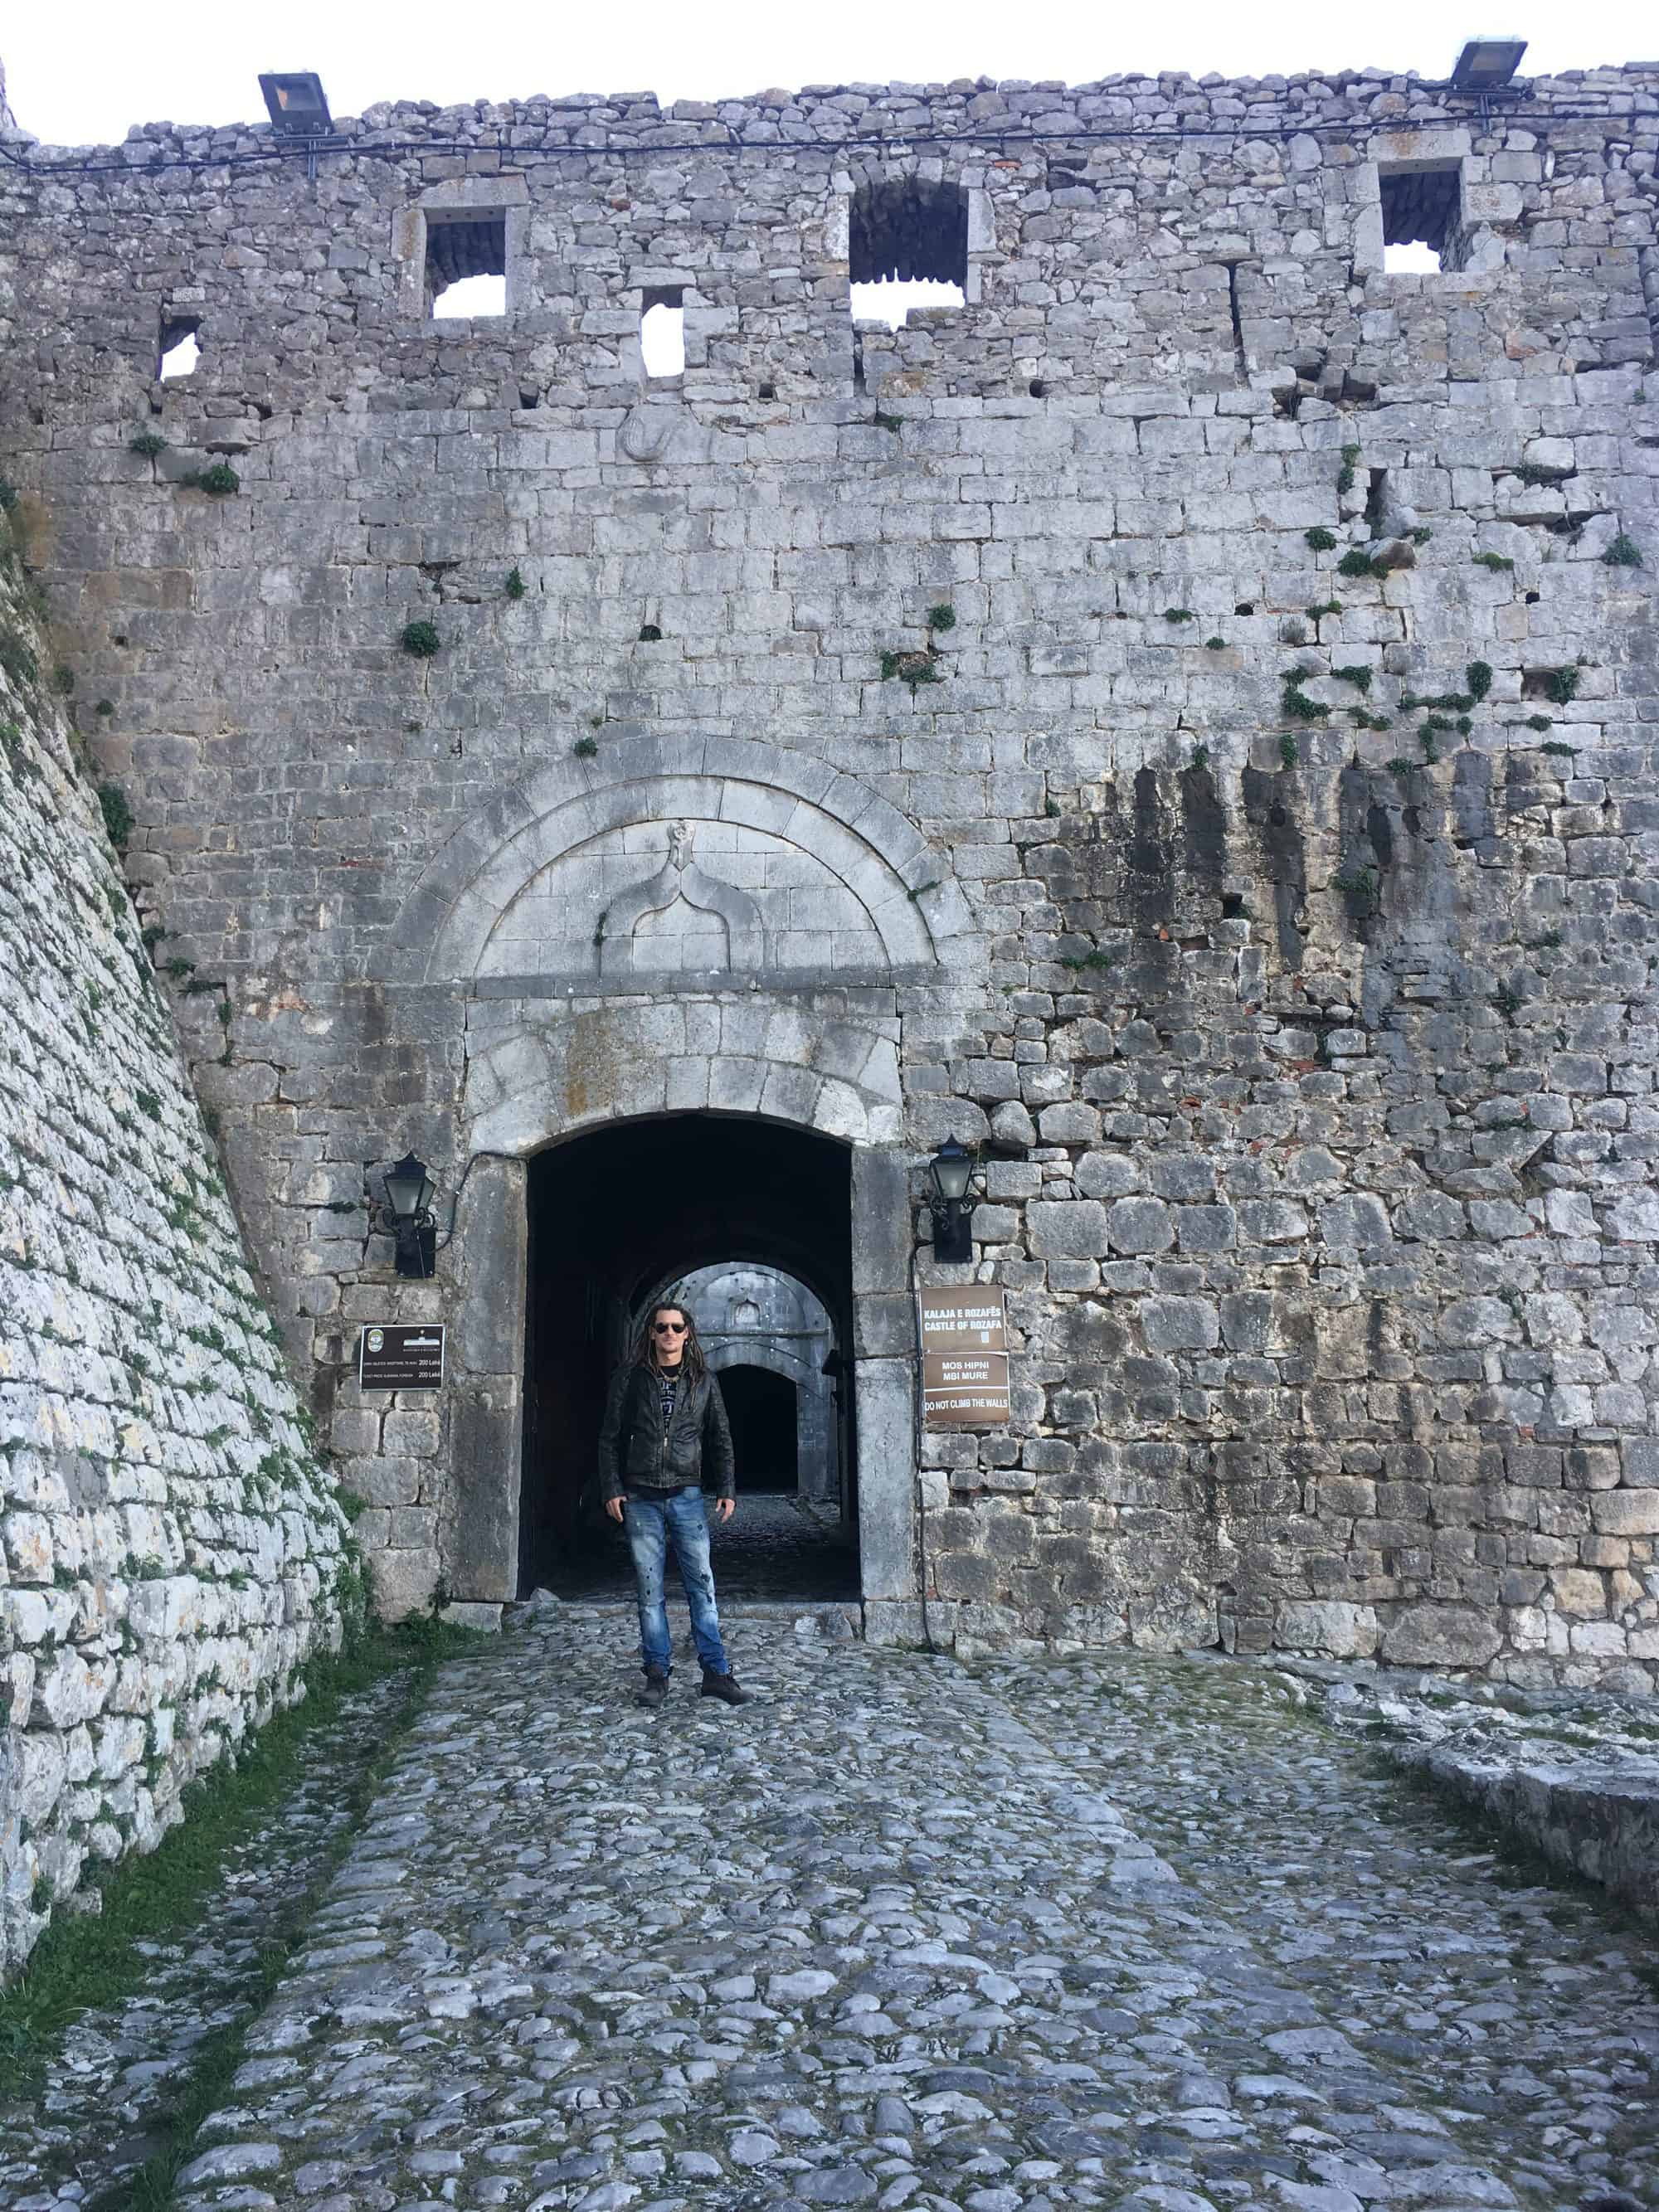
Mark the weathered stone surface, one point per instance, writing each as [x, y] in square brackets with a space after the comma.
[1441, 1636]
[868, 1914]
[169, 1545]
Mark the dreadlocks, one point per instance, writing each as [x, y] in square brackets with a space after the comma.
[692, 1363]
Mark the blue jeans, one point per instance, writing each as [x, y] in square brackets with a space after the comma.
[678, 1519]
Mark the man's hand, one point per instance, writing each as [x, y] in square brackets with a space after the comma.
[725, 1508]
[613, 1506]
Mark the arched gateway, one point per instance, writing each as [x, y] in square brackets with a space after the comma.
[681, 962]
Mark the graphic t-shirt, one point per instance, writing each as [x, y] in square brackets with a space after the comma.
[669, 1386]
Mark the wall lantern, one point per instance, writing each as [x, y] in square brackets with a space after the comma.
[406, 1215]
[298, 104]
[951, 1170]
[1486, 64]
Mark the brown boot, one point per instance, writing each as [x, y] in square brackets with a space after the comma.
[726, 1688]
[654, 1691]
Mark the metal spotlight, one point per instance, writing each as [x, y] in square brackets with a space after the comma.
[1486, 64]
[298, 104]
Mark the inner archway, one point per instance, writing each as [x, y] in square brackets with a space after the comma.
[739, 1217]
[760, 1406]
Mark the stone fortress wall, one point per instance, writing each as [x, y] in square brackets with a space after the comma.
[1307, 1029]
[171, 1551]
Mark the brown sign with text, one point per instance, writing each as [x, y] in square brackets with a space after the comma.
[964, 1357]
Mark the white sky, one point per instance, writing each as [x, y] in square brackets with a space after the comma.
[80, 75]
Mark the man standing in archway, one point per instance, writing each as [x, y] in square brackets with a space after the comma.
[664, 1420]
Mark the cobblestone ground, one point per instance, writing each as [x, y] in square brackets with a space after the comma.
[123, 2070]
[1087, 1932]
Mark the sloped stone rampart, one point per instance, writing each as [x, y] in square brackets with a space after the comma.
[170, 1551]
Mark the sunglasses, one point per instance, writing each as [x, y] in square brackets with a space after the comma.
[668, 1328]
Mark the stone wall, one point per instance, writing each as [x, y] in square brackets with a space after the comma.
[169, 1548]
[1255, 859]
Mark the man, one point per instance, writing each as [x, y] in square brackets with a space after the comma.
[664, 1415]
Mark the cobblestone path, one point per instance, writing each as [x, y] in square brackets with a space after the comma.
[1121, 1932]
[124, 2069]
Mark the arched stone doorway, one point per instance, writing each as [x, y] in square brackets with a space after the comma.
[685, 927]
[617, 1218]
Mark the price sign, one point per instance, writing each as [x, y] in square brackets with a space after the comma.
[391, 1358]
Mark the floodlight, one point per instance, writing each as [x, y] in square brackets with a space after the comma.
[298, 104]
[1486, 64]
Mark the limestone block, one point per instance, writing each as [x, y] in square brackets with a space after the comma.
[1109, 1175]
[1011, 1124]
[402, 1581]
[1633, 1217]
[1066, 1228]
[28, 1547]
[1580, 1592]
[1138, 1225]
[1430, 1635]
[1625, 1512]
[1071, 1123]
[1180, 1324]
[1359, 1221]
[168, 1607]
[1345, 1630]
[70, 1688]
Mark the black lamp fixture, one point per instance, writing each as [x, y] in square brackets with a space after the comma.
[406, 1212]
[297, 105]
[952, 1169]
[1486, 64]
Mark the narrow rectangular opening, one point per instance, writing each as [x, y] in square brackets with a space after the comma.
[180, 349]
[662, 331]
[465, 264]
[1422, 209]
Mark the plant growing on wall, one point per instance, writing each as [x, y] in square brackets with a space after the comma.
[119, 819]
[219, 482]
[420, 639]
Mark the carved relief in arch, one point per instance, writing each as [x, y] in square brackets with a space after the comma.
[737, 936]
[782, 864]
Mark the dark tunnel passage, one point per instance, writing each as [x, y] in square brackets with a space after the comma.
[614, 1216]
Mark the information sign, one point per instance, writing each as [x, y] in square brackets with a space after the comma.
[393, 1357]
[964, 1358]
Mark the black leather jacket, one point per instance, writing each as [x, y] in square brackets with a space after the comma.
[635, 1453]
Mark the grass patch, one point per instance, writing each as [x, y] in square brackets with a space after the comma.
[85, 1962]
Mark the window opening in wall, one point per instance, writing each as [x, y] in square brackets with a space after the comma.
[465, 264]
[662, 331]
[180, 349]
[1420, 213]
[908, 247]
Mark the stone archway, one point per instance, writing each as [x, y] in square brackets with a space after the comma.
[773, 907]
[491, 1270]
